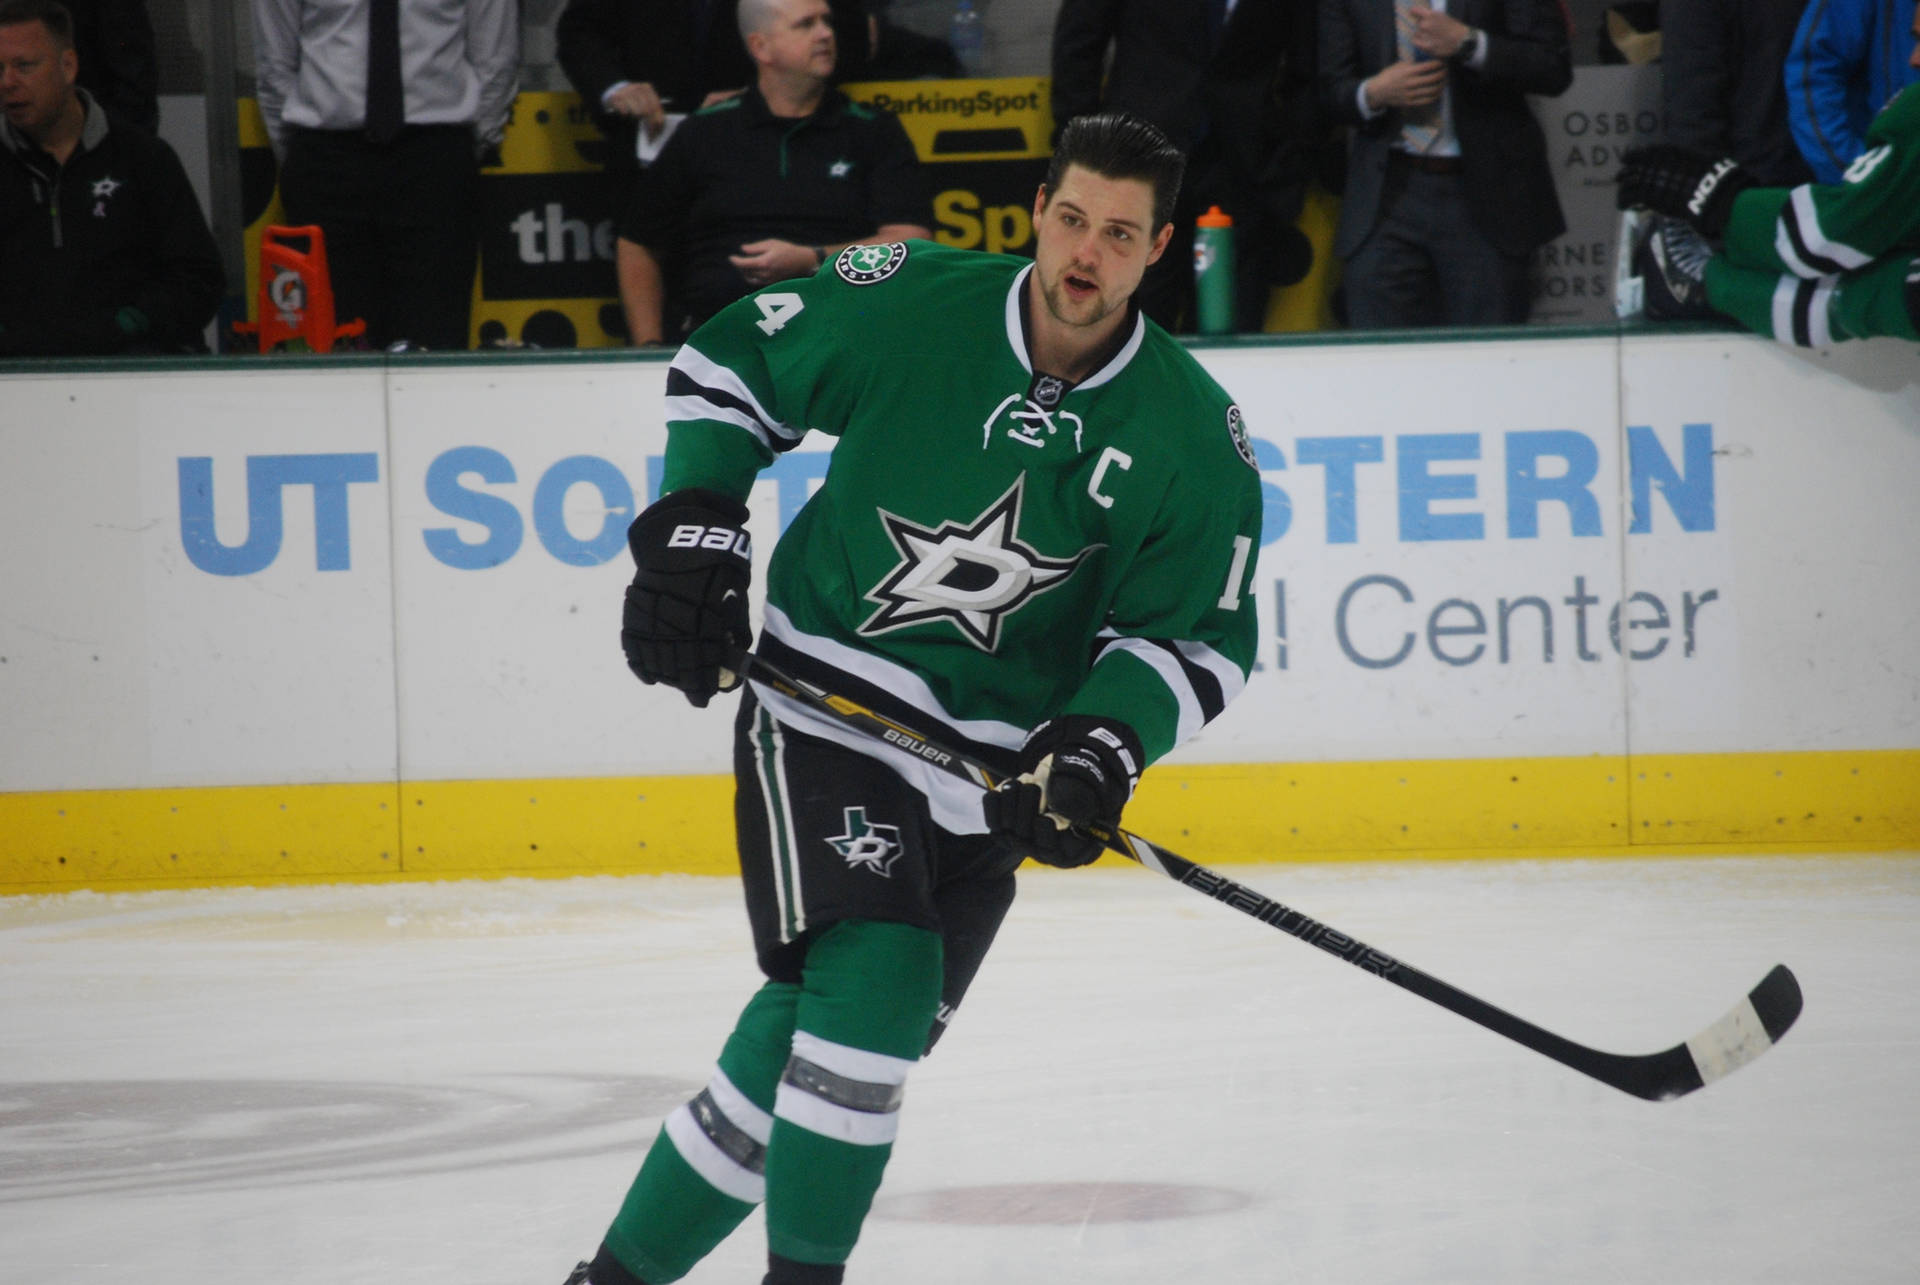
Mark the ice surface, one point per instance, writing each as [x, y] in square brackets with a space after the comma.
[450, 1084]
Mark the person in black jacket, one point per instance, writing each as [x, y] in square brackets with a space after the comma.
[103, 248]
[1723, 83]
[768, 185]
[1232, 86]
[1449, 190]
[634, 62]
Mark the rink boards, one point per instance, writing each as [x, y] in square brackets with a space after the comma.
[317, 619]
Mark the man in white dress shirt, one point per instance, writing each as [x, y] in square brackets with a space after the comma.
[380, 112]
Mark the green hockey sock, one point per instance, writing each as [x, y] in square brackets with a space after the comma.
[868, 998]
[1744, 294]
[705, 1171]
[1813, 313]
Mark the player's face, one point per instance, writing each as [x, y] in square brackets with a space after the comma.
[36, 77]
[800, 38]
[1094, 240]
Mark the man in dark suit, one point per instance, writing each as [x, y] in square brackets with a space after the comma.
[1448, 190]
[1231, 83]
[634, 61]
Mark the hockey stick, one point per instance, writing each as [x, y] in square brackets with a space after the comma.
[1756, 1023]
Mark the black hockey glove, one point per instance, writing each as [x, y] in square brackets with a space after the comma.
[686, 614]
[1074, 770]
[1682, 184]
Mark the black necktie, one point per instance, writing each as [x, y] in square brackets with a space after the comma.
[386, 99]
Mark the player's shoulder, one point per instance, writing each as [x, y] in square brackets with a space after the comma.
[913, 267]
[1189, 406]
[1163, 364]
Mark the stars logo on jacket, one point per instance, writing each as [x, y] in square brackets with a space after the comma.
[103, 190]
[876, 847]
[972, 575]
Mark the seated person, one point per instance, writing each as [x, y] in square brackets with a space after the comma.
[103, 248]
[765, 186]
[1811, 265]
[636, 62]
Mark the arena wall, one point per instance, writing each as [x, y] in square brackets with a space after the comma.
[1520, 595]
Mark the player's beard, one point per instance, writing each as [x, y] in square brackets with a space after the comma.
[1070, 312]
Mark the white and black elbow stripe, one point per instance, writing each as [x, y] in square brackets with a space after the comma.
[840, 1092]
[1201, 680]
[1804, 247]
[700, 388]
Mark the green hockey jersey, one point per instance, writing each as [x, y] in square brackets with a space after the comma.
[1820, 229]
[990, 546]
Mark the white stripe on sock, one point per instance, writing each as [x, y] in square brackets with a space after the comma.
[718, 1168]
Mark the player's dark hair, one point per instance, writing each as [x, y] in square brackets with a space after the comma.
[58, 21]
[1118, 145]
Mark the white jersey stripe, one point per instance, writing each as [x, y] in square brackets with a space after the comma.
[1224, 671]
[708, 373]
[1016, 340]
[1806, 216]
[891, 677]
[1156, 658]
[687, 407]
[953, 803]
[722, 1171]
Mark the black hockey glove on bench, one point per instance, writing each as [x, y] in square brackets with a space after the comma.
[1681, 184]
[1074, 770]
[686, 615]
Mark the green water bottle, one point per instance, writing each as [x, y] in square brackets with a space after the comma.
[1213, 271]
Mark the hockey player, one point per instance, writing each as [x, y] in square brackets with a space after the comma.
[1033, 542]
[1809, 265]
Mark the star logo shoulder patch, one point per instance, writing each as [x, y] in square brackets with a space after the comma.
[865, 265]
[866, 844]
[1237, 430]
[972, 575]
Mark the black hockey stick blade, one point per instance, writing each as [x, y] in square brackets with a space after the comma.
[1754, 1025]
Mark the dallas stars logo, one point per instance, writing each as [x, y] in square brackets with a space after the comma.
[864, 265]
[840, 169]
[972, 574]
[103, 190]
[876, 847]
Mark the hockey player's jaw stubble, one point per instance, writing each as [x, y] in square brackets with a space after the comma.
[1094, 243]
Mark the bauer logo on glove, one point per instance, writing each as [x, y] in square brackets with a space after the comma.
[724, 539]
